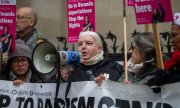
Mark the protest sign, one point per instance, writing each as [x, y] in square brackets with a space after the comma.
[88, 94]
[81, 17]
[7, 25]
[152, 11]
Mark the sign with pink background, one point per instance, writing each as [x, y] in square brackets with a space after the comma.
[81, 17]
[7, 25]
[153, 11]
[130, 2]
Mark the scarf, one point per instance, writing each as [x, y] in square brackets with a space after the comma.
[94, 59]
[27, 77]
[134, 68]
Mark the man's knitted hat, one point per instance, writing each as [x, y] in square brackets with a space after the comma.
[21, 50]
[176, 18]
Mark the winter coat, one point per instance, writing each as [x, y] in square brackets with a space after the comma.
[143, 76]
[30, 77]
[83, 72]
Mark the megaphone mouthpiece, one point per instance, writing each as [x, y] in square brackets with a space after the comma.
[51, 57]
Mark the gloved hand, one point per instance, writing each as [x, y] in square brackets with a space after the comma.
[157, 81]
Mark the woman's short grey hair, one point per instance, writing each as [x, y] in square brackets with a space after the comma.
[92, 34]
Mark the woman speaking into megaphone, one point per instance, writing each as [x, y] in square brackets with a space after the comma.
[94, 65]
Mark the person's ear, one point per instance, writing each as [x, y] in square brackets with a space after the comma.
[32, 22]
[99, 49]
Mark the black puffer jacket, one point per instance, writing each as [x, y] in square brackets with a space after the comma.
[86, 72]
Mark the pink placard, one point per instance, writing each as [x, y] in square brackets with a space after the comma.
[81, 17]
[7, 25]
[130, 2]
[153, 11]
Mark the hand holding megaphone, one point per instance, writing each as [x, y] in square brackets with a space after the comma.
[46, 58]
[65, 57]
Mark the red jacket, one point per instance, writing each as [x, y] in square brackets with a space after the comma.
[173, 61]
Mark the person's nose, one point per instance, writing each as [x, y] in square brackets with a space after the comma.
[84, 45]
[20, 63]
[130, 51]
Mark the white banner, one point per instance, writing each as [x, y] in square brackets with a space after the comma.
[88, 95]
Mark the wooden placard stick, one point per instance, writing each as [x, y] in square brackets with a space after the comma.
[157, 47]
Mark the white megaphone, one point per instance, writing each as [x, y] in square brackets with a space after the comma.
[46, 58]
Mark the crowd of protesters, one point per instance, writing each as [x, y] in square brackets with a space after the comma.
[94, 64]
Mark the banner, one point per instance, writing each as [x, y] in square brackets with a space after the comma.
[7, 25]
[153, 11]
[88, 94]
[81, 17]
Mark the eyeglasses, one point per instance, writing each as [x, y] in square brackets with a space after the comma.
[173, 34]
[19, 17]
[17, 61]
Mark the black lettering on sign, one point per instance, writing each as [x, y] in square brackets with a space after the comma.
[149, 104]
[67, 102]
[122, 103]
[29, 101]
[105, 101]
[82, 104]
[74, 100]
[48, 103]
[20, 99]
[40, 103]
[165, 105]
[90, 103]
[57, 101]
[4, 101]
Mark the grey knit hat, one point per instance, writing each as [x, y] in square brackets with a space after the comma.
[21, 50]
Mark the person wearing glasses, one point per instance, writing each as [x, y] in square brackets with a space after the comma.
[26, 19]
[19, 68]
[174, 62]
[171, 71]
